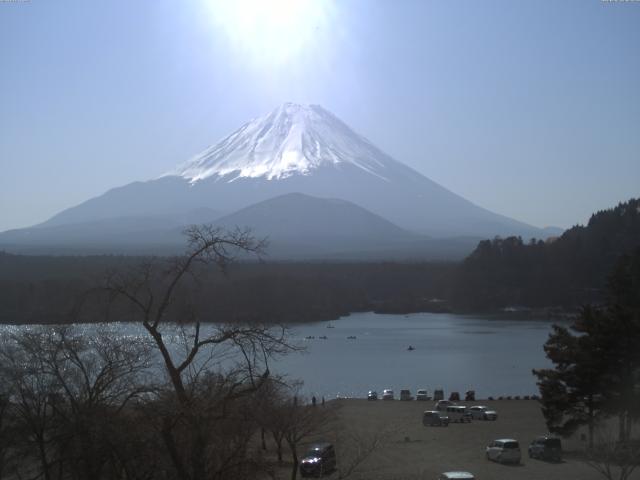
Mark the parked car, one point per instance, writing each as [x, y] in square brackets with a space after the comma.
[456, 476]
[438, 394]
[470, 396]
[319, 459]
[372, 395]
[405, 395]
[480, 412]
[454, 397]
[504, 450]
[432, 418]
[443, 404]
[546, 447]
[387, 394]
[422, 394]
[458, 413]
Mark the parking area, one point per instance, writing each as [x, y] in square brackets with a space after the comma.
[412, 451]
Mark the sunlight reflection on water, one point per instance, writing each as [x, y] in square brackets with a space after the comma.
[456, 352]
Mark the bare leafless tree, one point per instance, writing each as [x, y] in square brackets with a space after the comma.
[159, 296]
[30, 408]
[303, 422]
[268, 407]
[67, 392]
[611, 458]
[356, 448]
[7, 428]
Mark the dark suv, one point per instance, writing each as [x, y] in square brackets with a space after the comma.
[320, 459]
[546, 448]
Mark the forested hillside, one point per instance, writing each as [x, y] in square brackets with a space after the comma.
[567, 271]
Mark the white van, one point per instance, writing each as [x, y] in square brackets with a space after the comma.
[458, 413]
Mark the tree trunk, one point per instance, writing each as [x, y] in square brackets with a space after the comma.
[621, 426]
[591, 422]
[278, 440]
[43, 459]
[294, 456]
[198, 448]
[169, 442]
[174, 374]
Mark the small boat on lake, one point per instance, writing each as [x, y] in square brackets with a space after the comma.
[410, 348]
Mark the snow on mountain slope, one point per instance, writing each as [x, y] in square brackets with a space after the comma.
[304, 149]
[293, 139]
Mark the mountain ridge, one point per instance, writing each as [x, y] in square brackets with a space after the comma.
[301, 149]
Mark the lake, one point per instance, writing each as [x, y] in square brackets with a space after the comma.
[491, 355]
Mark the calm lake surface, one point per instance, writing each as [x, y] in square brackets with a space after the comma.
[491, 355]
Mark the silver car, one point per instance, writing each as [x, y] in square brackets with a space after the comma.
[433, 418]
[504, 450]
[480, 412]
[443, 404]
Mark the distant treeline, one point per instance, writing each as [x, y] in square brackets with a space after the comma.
[565, 272]
[46, 289]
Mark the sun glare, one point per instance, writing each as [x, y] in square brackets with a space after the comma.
[271, 31]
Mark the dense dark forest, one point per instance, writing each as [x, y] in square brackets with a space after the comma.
[565, 272]
[46, 289]
[568, 271]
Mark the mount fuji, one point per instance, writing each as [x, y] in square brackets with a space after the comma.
[293, 149]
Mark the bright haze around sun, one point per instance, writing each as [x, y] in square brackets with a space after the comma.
[272, 34]
[529, 109]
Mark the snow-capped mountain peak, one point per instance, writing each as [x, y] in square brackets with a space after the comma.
[291, 140]
[297, 149]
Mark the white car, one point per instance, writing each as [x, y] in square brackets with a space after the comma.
[504, 450]
[456, 476]
[458, 413]
[422, 394]
[443, 404]
[387, 394]
[480, 412]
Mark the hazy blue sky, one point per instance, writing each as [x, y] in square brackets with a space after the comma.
[530, 109]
